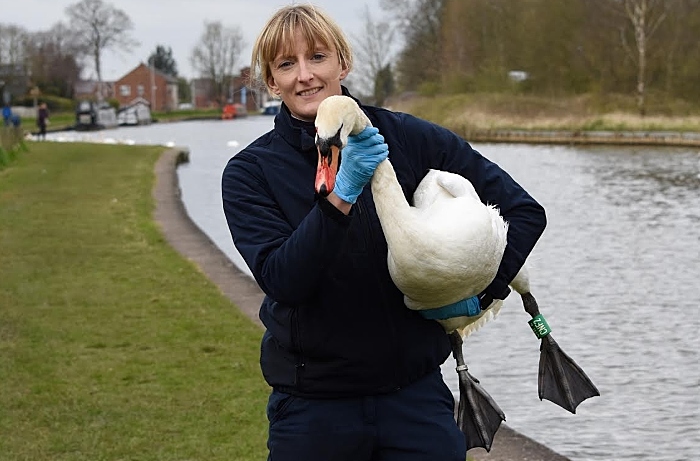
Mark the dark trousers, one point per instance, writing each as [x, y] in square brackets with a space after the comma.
[414, 423]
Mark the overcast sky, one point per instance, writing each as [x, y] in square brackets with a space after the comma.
[179, 24]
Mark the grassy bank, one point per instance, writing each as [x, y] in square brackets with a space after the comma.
[472, 112]
[112, 346]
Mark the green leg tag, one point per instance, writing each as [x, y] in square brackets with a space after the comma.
[539, 326]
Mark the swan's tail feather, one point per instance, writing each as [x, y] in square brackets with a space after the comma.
[489, 314]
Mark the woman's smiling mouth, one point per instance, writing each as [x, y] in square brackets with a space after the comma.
[310, 92]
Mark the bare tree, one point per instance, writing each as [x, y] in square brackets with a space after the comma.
[373, 52]
[13, 61]
[645, 16]
[13, 41]
[54, 59]
[215, 56]
[101, 26]
[420, 24]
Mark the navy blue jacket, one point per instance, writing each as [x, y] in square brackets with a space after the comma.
[336, 323]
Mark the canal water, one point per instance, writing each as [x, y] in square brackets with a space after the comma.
[616, 274]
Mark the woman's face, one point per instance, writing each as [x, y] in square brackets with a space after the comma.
[306, 77]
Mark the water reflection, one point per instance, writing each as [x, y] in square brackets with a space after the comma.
[616, 275]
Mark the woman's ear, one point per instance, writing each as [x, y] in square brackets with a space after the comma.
[344, 71]
[272, 86]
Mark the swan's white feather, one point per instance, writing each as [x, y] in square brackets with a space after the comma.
[446, 247]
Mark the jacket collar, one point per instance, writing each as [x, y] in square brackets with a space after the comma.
[297, 133]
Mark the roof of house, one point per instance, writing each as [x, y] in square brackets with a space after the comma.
[168, 78]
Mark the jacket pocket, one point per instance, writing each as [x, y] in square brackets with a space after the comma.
[278, 405]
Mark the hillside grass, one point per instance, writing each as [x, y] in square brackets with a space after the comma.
[112, 346]
[467, 112]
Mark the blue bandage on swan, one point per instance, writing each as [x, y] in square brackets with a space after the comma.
[466, 307]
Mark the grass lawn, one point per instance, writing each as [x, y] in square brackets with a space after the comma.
[112, 346]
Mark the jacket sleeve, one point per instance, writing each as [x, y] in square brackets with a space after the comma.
[442, 149]
[287, 263]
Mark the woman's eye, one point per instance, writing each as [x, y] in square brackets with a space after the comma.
[284, 64]
[318, 56]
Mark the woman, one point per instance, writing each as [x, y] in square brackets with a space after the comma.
[354, 373]
[42, 119]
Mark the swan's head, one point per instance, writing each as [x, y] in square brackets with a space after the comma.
[336, 119]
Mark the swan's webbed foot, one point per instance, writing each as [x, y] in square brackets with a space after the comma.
[478, 415]
[560, 379]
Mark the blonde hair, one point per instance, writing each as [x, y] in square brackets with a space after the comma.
[314, 25]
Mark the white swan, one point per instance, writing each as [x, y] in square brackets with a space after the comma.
[446, 247]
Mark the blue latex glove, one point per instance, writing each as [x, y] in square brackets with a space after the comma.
[466, 307]
[359, 160]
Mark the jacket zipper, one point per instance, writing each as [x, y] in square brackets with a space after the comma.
[296, 342]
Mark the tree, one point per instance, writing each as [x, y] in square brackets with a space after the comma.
[681, 55]
[420, 22]
[215, 56]
[645, 16]
[53, 57]
[162, 60]
[373, 54]
[13, 41]
[101, 27]
[13, 61]
[383, 85]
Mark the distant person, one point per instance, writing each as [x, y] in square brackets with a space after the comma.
[7, 115]
[42, 119]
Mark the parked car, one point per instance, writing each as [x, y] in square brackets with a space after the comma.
[271, 108]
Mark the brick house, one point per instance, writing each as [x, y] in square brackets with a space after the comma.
[241, 92]
[159, 89]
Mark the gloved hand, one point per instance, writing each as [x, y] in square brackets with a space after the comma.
[359, 160]
[466, 307]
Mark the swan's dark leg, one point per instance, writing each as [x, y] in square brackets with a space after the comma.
[560, 379]
[478, 416]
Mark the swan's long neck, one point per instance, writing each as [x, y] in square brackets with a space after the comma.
[387, 190]
[392, 208]
[388, 195]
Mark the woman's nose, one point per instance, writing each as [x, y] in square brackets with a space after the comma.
[305, 73]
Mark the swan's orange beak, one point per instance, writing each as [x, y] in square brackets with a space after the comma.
[328, 163]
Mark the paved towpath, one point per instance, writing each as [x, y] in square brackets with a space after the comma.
[189, 240]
